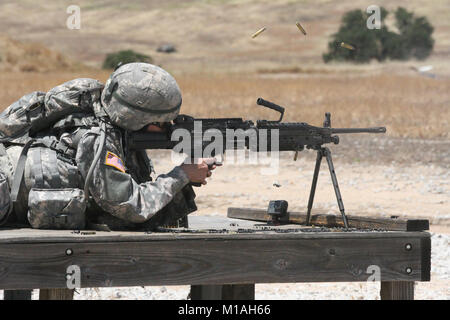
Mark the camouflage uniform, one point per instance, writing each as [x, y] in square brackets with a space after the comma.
[123, 193]
[129, 195]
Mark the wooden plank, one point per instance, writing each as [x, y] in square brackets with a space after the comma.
[56, 294]
[328, 220]
[223, 292]
[17, 294]
[209, 261]
[30, 236]
[397, 290]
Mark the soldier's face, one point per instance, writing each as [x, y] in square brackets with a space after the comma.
[156, 127]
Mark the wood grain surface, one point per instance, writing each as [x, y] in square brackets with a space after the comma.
[220, 260]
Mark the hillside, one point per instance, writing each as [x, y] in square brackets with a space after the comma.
[222, 70]
[31, 57]
[210, 35]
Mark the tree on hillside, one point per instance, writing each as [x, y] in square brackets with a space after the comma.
[124, 56]
[414, 39]
[353, 31]
[415, 34]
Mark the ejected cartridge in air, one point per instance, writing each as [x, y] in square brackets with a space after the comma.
[257, 33]
[347, 46]
[299, 26]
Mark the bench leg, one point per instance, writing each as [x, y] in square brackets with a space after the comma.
[17, 294]
[238, 292]
[223, 292]
[56, 294]
[397, 290]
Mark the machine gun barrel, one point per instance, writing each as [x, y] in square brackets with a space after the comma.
[359, 130]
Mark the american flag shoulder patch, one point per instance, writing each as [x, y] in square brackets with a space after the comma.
[114, 161]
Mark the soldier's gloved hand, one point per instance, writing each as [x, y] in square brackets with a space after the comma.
[200, 169]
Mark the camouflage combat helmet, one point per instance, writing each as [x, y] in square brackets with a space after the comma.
[137, 94]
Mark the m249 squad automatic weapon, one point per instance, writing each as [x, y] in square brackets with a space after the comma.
[292, 136]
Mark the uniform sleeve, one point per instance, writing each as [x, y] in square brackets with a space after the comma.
[115, 191]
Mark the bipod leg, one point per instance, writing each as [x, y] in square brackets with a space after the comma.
[313, 186]
[327, 154]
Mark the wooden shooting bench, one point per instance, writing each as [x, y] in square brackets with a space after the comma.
[220, 257]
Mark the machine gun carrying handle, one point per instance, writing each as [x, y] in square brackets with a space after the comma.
[272, 106]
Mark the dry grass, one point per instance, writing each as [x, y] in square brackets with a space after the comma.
[408, 105]
[16, 84]
[32, 57]
[213, 37]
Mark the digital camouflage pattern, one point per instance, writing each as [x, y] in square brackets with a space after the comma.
[5, 200]
[14, 121]
[57, 209]
[45, 168]
[117, 192]
[137, 94]
[73, 96]
[39, 110]
[65, 149]
[120, 200]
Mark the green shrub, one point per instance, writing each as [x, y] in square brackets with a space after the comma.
[414, 39]
[353, 31]
[415, 34]
[124, 56]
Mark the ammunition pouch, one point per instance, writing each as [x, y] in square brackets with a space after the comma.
[5, 198]
[57, 208]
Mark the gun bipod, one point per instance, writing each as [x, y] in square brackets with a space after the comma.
[325, 152]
